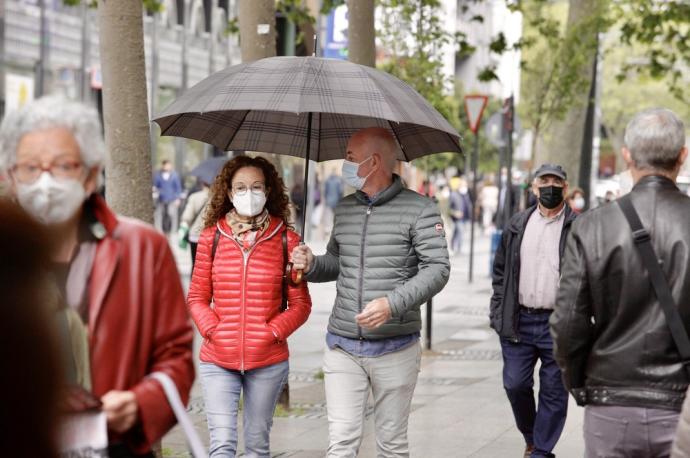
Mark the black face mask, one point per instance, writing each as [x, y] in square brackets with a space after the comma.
[550, 196]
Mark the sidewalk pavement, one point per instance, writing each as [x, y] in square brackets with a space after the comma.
[459, 407]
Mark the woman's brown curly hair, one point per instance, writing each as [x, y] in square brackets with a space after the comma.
[277, 202]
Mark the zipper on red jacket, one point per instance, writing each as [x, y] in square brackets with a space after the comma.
[361, 266]
[245, 261]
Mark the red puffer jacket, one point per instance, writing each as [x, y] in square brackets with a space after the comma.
[245, 328]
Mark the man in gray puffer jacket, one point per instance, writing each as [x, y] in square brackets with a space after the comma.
[388, 254]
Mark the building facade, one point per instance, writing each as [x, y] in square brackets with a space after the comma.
[53, 48]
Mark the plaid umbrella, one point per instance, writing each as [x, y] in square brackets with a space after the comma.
[207, 170]
[273, 105]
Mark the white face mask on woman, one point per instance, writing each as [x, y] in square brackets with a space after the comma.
[579, 203]
[51, 201]
[249, 204]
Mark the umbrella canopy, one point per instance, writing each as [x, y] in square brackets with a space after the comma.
[273, 105]
[209, 169]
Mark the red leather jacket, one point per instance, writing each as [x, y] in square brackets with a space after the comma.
[137, 322]
[245, 329]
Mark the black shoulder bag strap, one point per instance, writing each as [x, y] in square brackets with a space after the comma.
[214, 247]
[643, 242]
[283, 304]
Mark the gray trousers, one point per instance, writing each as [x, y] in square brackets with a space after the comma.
[392, 378]
[169, 208]
[628, 432]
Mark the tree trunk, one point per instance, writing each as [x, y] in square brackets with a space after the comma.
[125, 113]
[360, 32]
[308, 29]
[563, 139]
[257, 29]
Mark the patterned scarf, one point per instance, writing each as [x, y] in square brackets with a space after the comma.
[247, 230]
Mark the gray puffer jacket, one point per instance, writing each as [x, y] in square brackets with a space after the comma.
[394, 248]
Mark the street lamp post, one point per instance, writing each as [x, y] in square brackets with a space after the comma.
[474, 107]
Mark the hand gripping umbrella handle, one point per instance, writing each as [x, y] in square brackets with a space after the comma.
[297, 278]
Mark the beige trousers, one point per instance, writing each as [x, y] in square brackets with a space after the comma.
[391, 378]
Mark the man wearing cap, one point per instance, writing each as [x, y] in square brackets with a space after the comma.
[525, 281]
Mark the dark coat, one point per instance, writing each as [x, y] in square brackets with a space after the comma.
[505, 303]
[611, 338]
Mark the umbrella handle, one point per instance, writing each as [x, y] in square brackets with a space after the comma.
[297, 279]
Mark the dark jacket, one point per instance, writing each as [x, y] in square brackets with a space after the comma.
[610, 335]
[505, 303]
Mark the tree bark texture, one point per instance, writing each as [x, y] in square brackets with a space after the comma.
[361, 35]
[563, 139]
[308, 29]
[125, 112]
[255, 41]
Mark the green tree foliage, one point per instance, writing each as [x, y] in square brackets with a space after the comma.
[621, 99]
[414, 37]
[152, 6]
[661, 29]
[651, 42]
[553, 58]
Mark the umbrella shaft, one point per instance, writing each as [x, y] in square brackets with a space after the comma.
[306, 180]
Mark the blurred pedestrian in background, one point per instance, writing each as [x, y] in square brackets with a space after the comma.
[610, 196]
[118, 275]
[576, 200]
[623, 288]
[488, 199]
[242, 305]
[297, 199]
[460, 209]
[192, 220]
[169, 190]
[30, 387]
[333, 192]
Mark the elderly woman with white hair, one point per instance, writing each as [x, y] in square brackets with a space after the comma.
[118, 275]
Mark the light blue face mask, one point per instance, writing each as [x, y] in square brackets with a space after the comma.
[350, 176]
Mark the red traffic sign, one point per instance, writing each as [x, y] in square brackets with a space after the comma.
[474, 107]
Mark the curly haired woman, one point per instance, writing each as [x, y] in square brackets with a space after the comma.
[235, 299]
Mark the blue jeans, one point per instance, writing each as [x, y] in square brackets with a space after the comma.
[261, 388]
[542, 425]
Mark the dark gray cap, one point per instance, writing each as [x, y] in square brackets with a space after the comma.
[551, 169]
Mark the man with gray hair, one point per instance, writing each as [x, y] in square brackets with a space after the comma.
[624, 300]
[388, 254]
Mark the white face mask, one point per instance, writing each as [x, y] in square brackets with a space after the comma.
[579, 203]
[249, 204]
[51, 201]
[350, 174]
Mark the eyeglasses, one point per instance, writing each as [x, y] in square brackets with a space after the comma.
[240, 189]
[29, 172]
